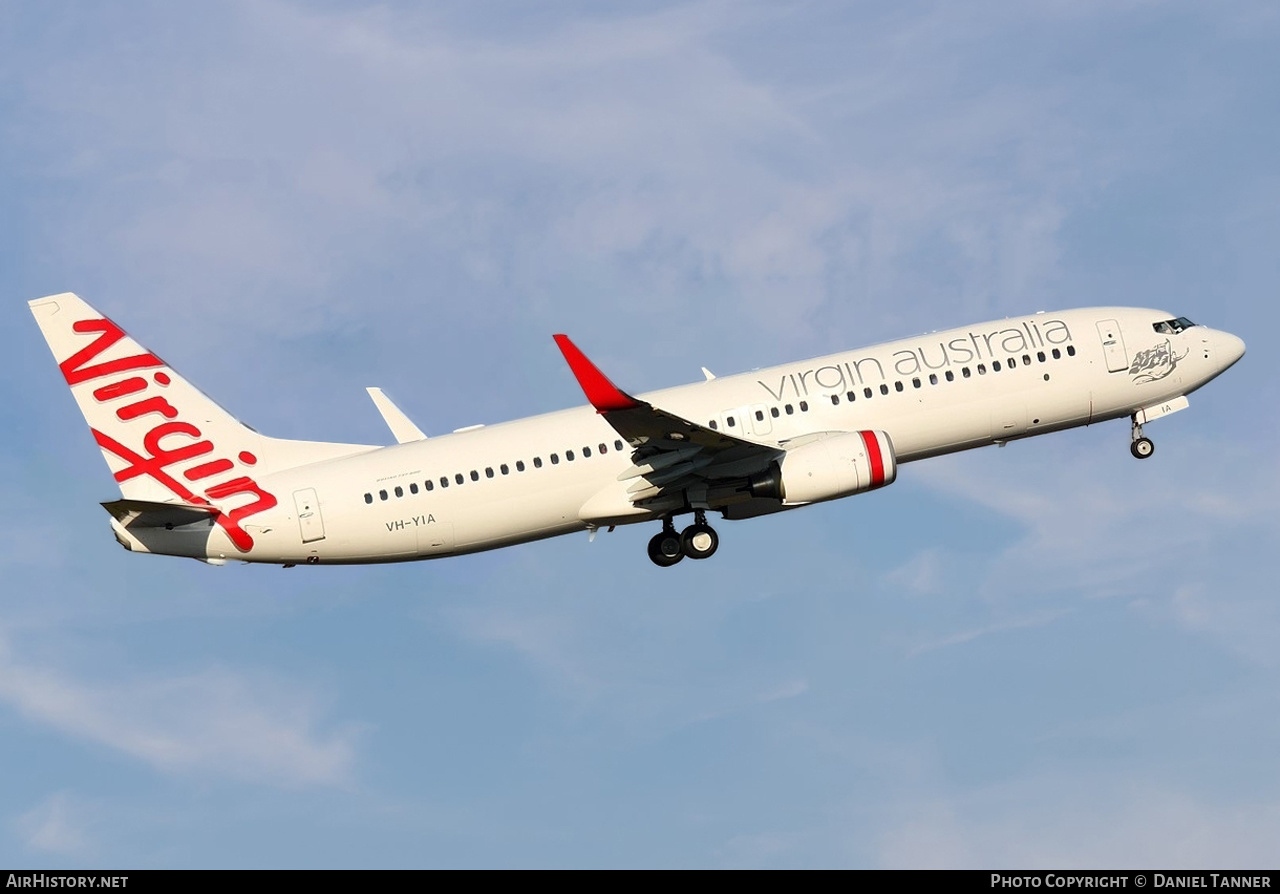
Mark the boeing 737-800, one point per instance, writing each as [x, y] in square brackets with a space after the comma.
[196, 482]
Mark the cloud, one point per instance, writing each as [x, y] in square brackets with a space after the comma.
[318, 145]
[1105, 517]
[232, 724]
[1038, 619]
[1080, 824]
[57, 825]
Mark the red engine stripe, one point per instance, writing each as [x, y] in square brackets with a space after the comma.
[873, 453]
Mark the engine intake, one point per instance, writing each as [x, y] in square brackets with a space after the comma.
[832, 467]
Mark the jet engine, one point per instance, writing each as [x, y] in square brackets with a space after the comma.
[827, 468]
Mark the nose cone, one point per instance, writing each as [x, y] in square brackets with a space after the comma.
[1230, 348]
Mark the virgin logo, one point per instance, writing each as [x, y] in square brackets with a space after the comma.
[172, 447]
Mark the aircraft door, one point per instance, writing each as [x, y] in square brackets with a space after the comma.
[1113, 346]
[309, 519]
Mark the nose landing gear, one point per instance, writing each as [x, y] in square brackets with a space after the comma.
[698, 541]
[1141, 447]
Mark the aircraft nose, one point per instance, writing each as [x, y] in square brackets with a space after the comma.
[1231, 347]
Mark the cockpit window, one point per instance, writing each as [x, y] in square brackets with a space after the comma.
[1172, 327]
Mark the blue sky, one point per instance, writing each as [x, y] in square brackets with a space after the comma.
[1045, 655]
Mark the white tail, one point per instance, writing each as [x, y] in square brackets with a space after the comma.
[164, 440]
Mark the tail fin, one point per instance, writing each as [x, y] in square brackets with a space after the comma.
[163, 439]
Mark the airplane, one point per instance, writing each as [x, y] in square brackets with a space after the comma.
[196, 482]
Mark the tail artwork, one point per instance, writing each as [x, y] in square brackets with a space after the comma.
[172, 450]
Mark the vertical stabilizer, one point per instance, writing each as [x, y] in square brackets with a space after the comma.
[163, 439]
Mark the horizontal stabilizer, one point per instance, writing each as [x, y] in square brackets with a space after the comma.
[401, 425]
[149, 514]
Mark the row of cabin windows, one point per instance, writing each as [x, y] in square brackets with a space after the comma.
[474, 474]
[916, 382]
[731, 422]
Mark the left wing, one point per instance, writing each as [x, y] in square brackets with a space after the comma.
[675, 461]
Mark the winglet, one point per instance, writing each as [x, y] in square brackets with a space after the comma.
[603, 394]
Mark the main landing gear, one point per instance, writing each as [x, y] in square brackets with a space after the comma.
[1140, 447]
[698, 541]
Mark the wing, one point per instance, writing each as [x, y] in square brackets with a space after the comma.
[676, 462]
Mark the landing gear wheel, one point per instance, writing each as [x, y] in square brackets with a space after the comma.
[699, 541]
[1142, 448]
[665, 549]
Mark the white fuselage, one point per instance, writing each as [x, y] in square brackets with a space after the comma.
[552, 474]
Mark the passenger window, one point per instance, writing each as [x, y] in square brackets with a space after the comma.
[519, 465]
[1026, 359]
[789, 409]
[458, 478]
[897, 386]
[951, 377]
[773, 411]
[586, 452]
[430, 485]
[804, 406]
[368, 498]
[617, 445]
[488, 471]
[867, 392]
[568, 454]
[965, 372]
[604, 448]
[537, 462]
[413, 487]
[982, 369]
[884, 389]
[504, 470]
[915, 383]
[475, 476]
[1040, 356]
[995, 366]
[712, 425]
[399, 491]
[1071, 350]
[1011, 363]
[1057, 355]
[933, 378]
[730, 421]
[835, 400]
[852, 396]
[555, 459]
[444, 482]
[382, 495]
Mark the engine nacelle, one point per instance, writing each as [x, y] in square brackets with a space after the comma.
[828, 468]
